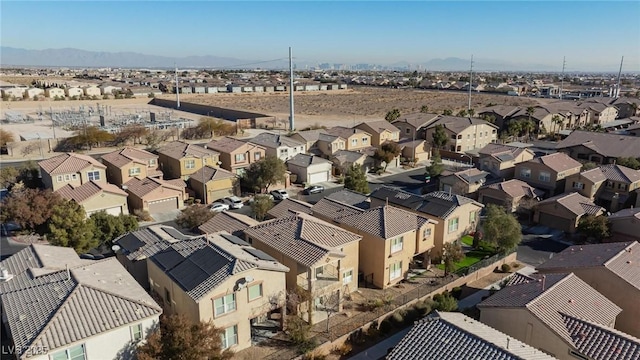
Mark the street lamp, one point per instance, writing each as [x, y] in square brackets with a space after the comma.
[470, 158]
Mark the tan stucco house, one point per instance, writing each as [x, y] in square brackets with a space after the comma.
[514, 195]
[564, 211]
[465, 133]
[310, 169]
[413, 126]
[219, 183]
[612, 185]
[625, 225]
[123, 165]
[236, 155]
[381, 131]
[179, 159]
[355, 139]
[280, 146]
[465, 182]
[501, 160]
[97, 196]
[228, 221]
[548, 172]
[71, 169]
[155, 195]
[415, 151]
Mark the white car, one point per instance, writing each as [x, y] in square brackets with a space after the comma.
[219, 207]
[279, 194]
[233, 201]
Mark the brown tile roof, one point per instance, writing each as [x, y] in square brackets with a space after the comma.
[229, 145]
[516, 188]
[122, 157]
[610, 145]
[230, 222]
[210, 173]
[305, 160]
[417, 120]
[302, 237]
[333, 209]
[594, 175]
[69, 163]
[88, 190]
[379, 126]
[620, 173]
[310, 135]
[288, 207]
[179, 149]
[457, 124]
[384, 221]
[623, 259]
[557, 162]
[552, 297]
[344, 132]
[141, 187]
[502, 110]
[600, 342]
[575, 203]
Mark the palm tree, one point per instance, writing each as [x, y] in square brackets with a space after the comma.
[528, 127]
[530, 111]
[514, 128]
[555, 120]
[471, 112]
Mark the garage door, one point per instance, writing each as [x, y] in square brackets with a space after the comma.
[115, 211]
[160, 206]
[319, 177]
[554, 222]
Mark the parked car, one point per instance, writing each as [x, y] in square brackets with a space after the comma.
[279, 194]
[314, 189]
[234, 202]
[219, 207]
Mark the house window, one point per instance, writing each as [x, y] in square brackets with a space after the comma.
[578, 185]
[354, 141]
[190, 164]
[134, 171]
[453, 136]
[284, 152]
[240, 158]
[225, 304]
[453, 225]
[426, 234]
[396, 244]
[468, 136]
[73, 353]
[59, 178]
[407, 130]
[67, 177]
[347, 277]
[256, 156]
[74, 177]
[525, 173]
[229, 336]
[395, 270]
[365, 140]
[167, 295]
[152, 163]
[93, 175]
[544, 176]
[472, 217]
[460, 136]
[622, 187]
[136, 332]
[255, 291]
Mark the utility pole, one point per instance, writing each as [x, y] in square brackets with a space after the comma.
[617, 94]
[291, 112]
[564, 63]
[177, 89]
[470, 82]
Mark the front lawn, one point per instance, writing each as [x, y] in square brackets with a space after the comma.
[473, 256]
[467, 240]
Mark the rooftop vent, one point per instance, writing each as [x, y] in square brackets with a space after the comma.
[5, 276]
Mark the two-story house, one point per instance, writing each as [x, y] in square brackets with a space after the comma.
[609, 185]
[310, 169]
[381, 131]
[355, 139]
[97, 196]
[514, 195]
[236, 155]
[280, 146]
[501, 160]
[625, 224]
[323, 259]
[178, 160]
[413, 126]
[600, 148]
[71, 169]
[210, 184]
[123, 165]
[465, 133]
[564, 211]
[587, 183]
[391, 238]
[548, 172]
[464, 182]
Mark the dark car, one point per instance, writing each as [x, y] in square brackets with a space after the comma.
[315, 189]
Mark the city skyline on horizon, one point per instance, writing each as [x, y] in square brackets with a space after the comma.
[345, 32]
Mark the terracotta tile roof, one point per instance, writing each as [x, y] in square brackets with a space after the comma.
[229, 145]
[576, 203]
[417, 120]
[230, 222]
[302, 237]
[620, 173]
[88, 190]
[516, 188]
[385, 221]
[600, 342]
[210, 173]
[179, 149]
[333, 209]
[557, 162]
[344, 132]
[304, 160]
[380, 126]
[552, 297]
[288, 207]
[69, 163]
[124, 156]
[609, 145]
[446, 336]
[141, 187]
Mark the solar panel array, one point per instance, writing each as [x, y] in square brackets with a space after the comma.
[235, 240]
[259, 254]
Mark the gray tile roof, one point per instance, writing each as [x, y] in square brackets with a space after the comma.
[379, 126]
[269, 140]
[442, 204]
[302, 237]
[230, 222]
[601, 342]
[553, 295]
[626, 214]
[417, 120]
[304, 160]
[227, 145]
[518, 278]
[620, 173]
[502, 152]
[610, 145]
[350, 197]
[49, 307]
[347, 156]
[397, 197]
[621, 258]
[344, 132]
[144, 243]
[472, 176]
[333, 209]
[384, 221]
[458, 124]
[288, 207]
[575, 203]
[454, 336]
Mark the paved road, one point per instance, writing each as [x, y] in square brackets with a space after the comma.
[534, 250]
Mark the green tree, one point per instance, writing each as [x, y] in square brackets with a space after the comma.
[447, 112]
[451, 253]
[392, 115]
[462, 113]
[489, 118]
[528, 127]
[555, 121]
[471, 112]
[355, 179]
[424, 109]
[386, 153]
[69, 227]
[90, 137]
[501, 228]
[29, 208]
[133, 133]
[193, 216]
[445, 302]
[596, 227]
[261, 205]
[262, 174]
[108, 227]
[630, 162]
[436, 167]
[440, 137]
[179, 338]
[530, 111]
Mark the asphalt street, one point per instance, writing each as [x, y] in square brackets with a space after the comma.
[535, 250]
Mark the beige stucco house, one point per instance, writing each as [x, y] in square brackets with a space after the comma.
[323, 259]
[179, 159]
[413, 126]
[155, 195]
[465, 133]
[548, 172]
[501, 160]
[280, 146]
[612, 270]
[415, 151]
[310, 169]
[564, 211]
[355, 139]
[97, 196]
[611, 185]
[220, 183]
[71, 169]
[236, 155]
[465, 182]
[514, 195]
[381, 131]
[625, 225]
[123, 165]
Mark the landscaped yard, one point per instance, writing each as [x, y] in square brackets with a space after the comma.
[473, 256]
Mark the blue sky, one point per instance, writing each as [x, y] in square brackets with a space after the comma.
[590, 34]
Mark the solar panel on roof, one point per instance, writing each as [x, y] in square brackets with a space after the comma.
[175, 233]
[168, 258]
[208, 260]
[260, 254]
[235, 240]
[130, 242]
[188, 275]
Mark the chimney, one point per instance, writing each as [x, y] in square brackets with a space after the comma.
[387, 201]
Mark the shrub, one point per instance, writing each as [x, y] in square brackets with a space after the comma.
[142, 215]
[397, 318]
[314, 355]
[423, 307]
[386, 326]
[373, 304]
[515, 265]
[340, 179]
[411, 316]
[456, 292]
[298, 330]
[373, 332]
[505, 268]
[345, 349]
[445, 302]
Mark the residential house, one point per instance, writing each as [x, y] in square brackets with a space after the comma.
[350, 197]
[415, 151]
[228, 221]
[455, 215]
[58, 306]
[514, 195]
[280, 146]
[587, 183]
[391, 238]
[549, 314]
[548, 172]
[288, 207]
[541, 117]
[564, 211]
[92, 91]
[381, 131]
[179, 160]
[107, 89]
[599, 113]
[33, 93]
[328, 145]
[71, 169]
[612, 269]
[222, 279]
[612, 186]
[123, 165]
[355, 139]
[310, 169]
[627, 107]
[447, 335]
[499, 113]
[465, 182]
[323, 259]
[16, 92]
[216, 183]
[501, 160]
[155, 195]
[97, 196]
[73, 92]
[344, 159]
[308, 137]
[53, 93]
[414, 126]
[236, 155]
[465, 133]
[330, 210]
[600, 148]
[625, 225]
